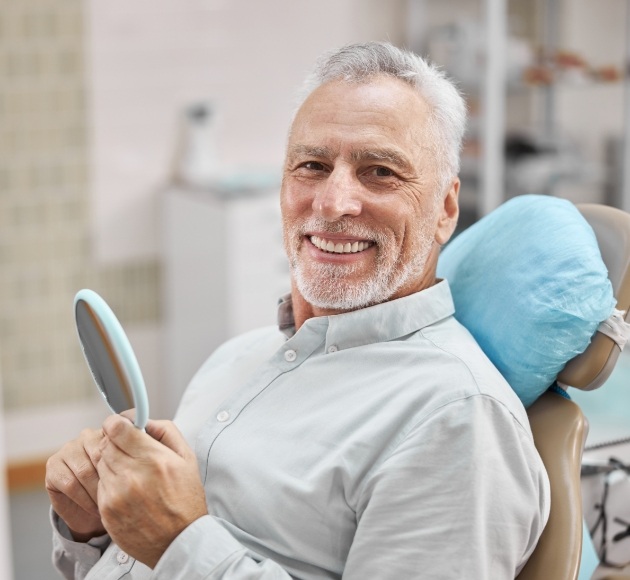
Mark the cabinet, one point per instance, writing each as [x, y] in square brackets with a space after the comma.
[224, 270]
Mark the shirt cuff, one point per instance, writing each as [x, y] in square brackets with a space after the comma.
[60, 528]
[204, 549]
[74, 559]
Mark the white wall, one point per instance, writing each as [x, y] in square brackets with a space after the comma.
[149, 58]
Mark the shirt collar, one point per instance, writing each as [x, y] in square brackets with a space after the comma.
[378, 323]
[286, 322]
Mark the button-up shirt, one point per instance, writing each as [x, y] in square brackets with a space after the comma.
[379, 443]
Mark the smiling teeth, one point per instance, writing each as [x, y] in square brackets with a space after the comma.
[347, 248]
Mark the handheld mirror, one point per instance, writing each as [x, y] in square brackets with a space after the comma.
[110, 357]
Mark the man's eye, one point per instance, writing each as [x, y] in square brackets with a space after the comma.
[313, 166]
[383, 172]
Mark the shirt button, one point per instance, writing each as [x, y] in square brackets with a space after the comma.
[122, 557]
[290, 355]
[333, 348]
[223, 416]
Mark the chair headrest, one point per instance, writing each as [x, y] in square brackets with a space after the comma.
[611, 226]
[529, 283]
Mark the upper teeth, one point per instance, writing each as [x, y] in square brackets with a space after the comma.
[339, 248]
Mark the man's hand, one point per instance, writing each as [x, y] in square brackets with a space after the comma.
[72, 483]
[149, 487]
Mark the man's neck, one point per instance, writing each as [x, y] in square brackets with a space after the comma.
[303, 310]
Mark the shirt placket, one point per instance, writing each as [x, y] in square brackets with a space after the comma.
[287, 358]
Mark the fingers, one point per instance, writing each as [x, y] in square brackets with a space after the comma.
[167, 433]
[71, 475]
[124, 446]
[121, 432]
[129, 414]
[65, 485]
[126, 451]
[133, 442]
[148, 493]
[91, 445]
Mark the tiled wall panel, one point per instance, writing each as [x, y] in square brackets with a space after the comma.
[43, 225]
[45, 252]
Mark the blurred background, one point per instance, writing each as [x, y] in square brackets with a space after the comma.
[141, 145]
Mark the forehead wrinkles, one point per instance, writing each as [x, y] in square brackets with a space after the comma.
[402, 150]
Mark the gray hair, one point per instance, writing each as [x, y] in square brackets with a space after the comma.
[359, 63]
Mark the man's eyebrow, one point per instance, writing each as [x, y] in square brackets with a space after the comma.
[382, 154]
[300, 150]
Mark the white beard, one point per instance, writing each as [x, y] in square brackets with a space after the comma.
[331, 286]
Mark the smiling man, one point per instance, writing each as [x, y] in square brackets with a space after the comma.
[365, 206]
[367, 436]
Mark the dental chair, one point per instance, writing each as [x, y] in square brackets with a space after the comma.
[540, 300]
[558, 425]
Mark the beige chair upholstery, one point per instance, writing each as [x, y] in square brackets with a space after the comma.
[612, 229]
[558, 424]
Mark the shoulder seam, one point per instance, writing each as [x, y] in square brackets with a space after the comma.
[472, 376]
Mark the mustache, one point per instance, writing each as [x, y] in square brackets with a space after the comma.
[341, 226]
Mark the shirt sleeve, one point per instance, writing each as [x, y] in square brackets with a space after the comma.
[205, 549]
[73, 560]
[463, 495]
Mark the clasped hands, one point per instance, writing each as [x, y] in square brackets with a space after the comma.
[143, 489]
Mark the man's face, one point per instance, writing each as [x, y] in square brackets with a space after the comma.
[362, 214]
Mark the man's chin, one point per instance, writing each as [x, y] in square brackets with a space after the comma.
[337, 305]
[343, 287]
[333, 295]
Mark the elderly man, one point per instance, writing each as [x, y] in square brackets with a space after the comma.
[366, 437]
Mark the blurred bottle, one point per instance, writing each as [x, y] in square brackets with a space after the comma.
[196, 161]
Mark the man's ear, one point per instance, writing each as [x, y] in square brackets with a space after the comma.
[448, 212]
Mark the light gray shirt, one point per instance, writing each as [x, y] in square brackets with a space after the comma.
[379, 443]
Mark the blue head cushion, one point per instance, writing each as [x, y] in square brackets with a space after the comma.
[529, 283]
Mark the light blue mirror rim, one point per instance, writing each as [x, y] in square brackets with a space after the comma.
[122, 350]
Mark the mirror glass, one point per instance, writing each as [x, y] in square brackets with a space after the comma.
[110, 357]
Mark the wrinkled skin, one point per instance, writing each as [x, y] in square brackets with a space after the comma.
[360, 158]
[144, 489]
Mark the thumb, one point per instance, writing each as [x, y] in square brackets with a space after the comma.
[167, 433]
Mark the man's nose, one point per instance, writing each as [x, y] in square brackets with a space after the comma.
[338, 196]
